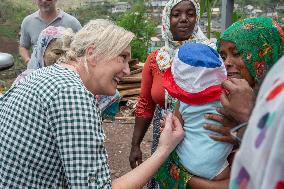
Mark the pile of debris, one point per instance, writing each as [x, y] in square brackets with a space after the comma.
[129, 88]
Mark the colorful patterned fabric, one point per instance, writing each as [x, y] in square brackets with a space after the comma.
[51, 134]
[259, 40]
[111, 111]
[45, 37]
[172, 174]
[166, 53]
[109, 105]
[152, 184]
[259, 164]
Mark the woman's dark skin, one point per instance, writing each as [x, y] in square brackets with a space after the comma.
[182, 22]
[239, 102]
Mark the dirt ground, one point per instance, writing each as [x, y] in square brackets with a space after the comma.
[8, 45]
[118, 143]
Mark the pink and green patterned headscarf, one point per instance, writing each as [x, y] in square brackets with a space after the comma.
[46, 36]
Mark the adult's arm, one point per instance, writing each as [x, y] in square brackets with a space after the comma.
[200, 183]
[25, 42]
[138, 177]
[140, 128]
[25, 54]
[143, 114]
[237, 103]
[77, 26]
[223, 131]
[79, 137]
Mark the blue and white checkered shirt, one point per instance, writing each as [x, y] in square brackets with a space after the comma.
[51, 134]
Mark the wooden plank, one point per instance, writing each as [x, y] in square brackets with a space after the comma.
[138, 70]
[137, 66]
[131, 79]
[125, 118]
[128, 86]
[136, 75]
[130, 92]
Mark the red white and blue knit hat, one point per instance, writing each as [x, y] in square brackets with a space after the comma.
[196, 74]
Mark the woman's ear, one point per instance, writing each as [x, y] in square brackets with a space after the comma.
[90, 55]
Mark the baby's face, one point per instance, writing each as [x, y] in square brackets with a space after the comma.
[53, 52]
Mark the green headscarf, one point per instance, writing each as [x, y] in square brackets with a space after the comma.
[259, 40]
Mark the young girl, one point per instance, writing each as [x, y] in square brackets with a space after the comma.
[195, 80]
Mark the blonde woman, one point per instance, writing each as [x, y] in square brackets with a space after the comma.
[51, 134]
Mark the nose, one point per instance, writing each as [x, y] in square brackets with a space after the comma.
[228, 62]
[126, 69]
[183, 18]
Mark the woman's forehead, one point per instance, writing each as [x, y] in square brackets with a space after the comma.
[55, 44]
[183, 5]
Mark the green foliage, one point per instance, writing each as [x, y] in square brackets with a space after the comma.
[217, 35]
[7, 31]
[206, 6]
[237, 15]
[92, 12]
[137, 22]
[12, 13]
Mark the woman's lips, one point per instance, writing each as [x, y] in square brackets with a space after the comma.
[234, 75]
[183, 28]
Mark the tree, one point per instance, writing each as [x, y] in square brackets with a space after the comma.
[206, 6]
[137, 21]
[87, 13]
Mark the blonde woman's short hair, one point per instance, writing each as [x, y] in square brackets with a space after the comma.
[67, 38]
[108, 39]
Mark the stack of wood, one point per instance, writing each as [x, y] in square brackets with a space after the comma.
[129, 87]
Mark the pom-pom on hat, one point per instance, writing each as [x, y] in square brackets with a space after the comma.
[196, 74]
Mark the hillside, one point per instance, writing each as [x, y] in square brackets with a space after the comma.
[12, 13]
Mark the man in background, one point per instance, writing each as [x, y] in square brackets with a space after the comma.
[47, 15]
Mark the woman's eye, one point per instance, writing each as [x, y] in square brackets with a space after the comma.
[123, 56]
[223, 57]
[58, 52]
[236, 54]
[191, 14]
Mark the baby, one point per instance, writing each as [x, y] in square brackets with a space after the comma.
[195, 79]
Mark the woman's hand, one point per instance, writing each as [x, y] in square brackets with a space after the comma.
[227, 123]
[135, 157]
[238, 102]
[140, 128]
[171, 135]
[240, 99]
